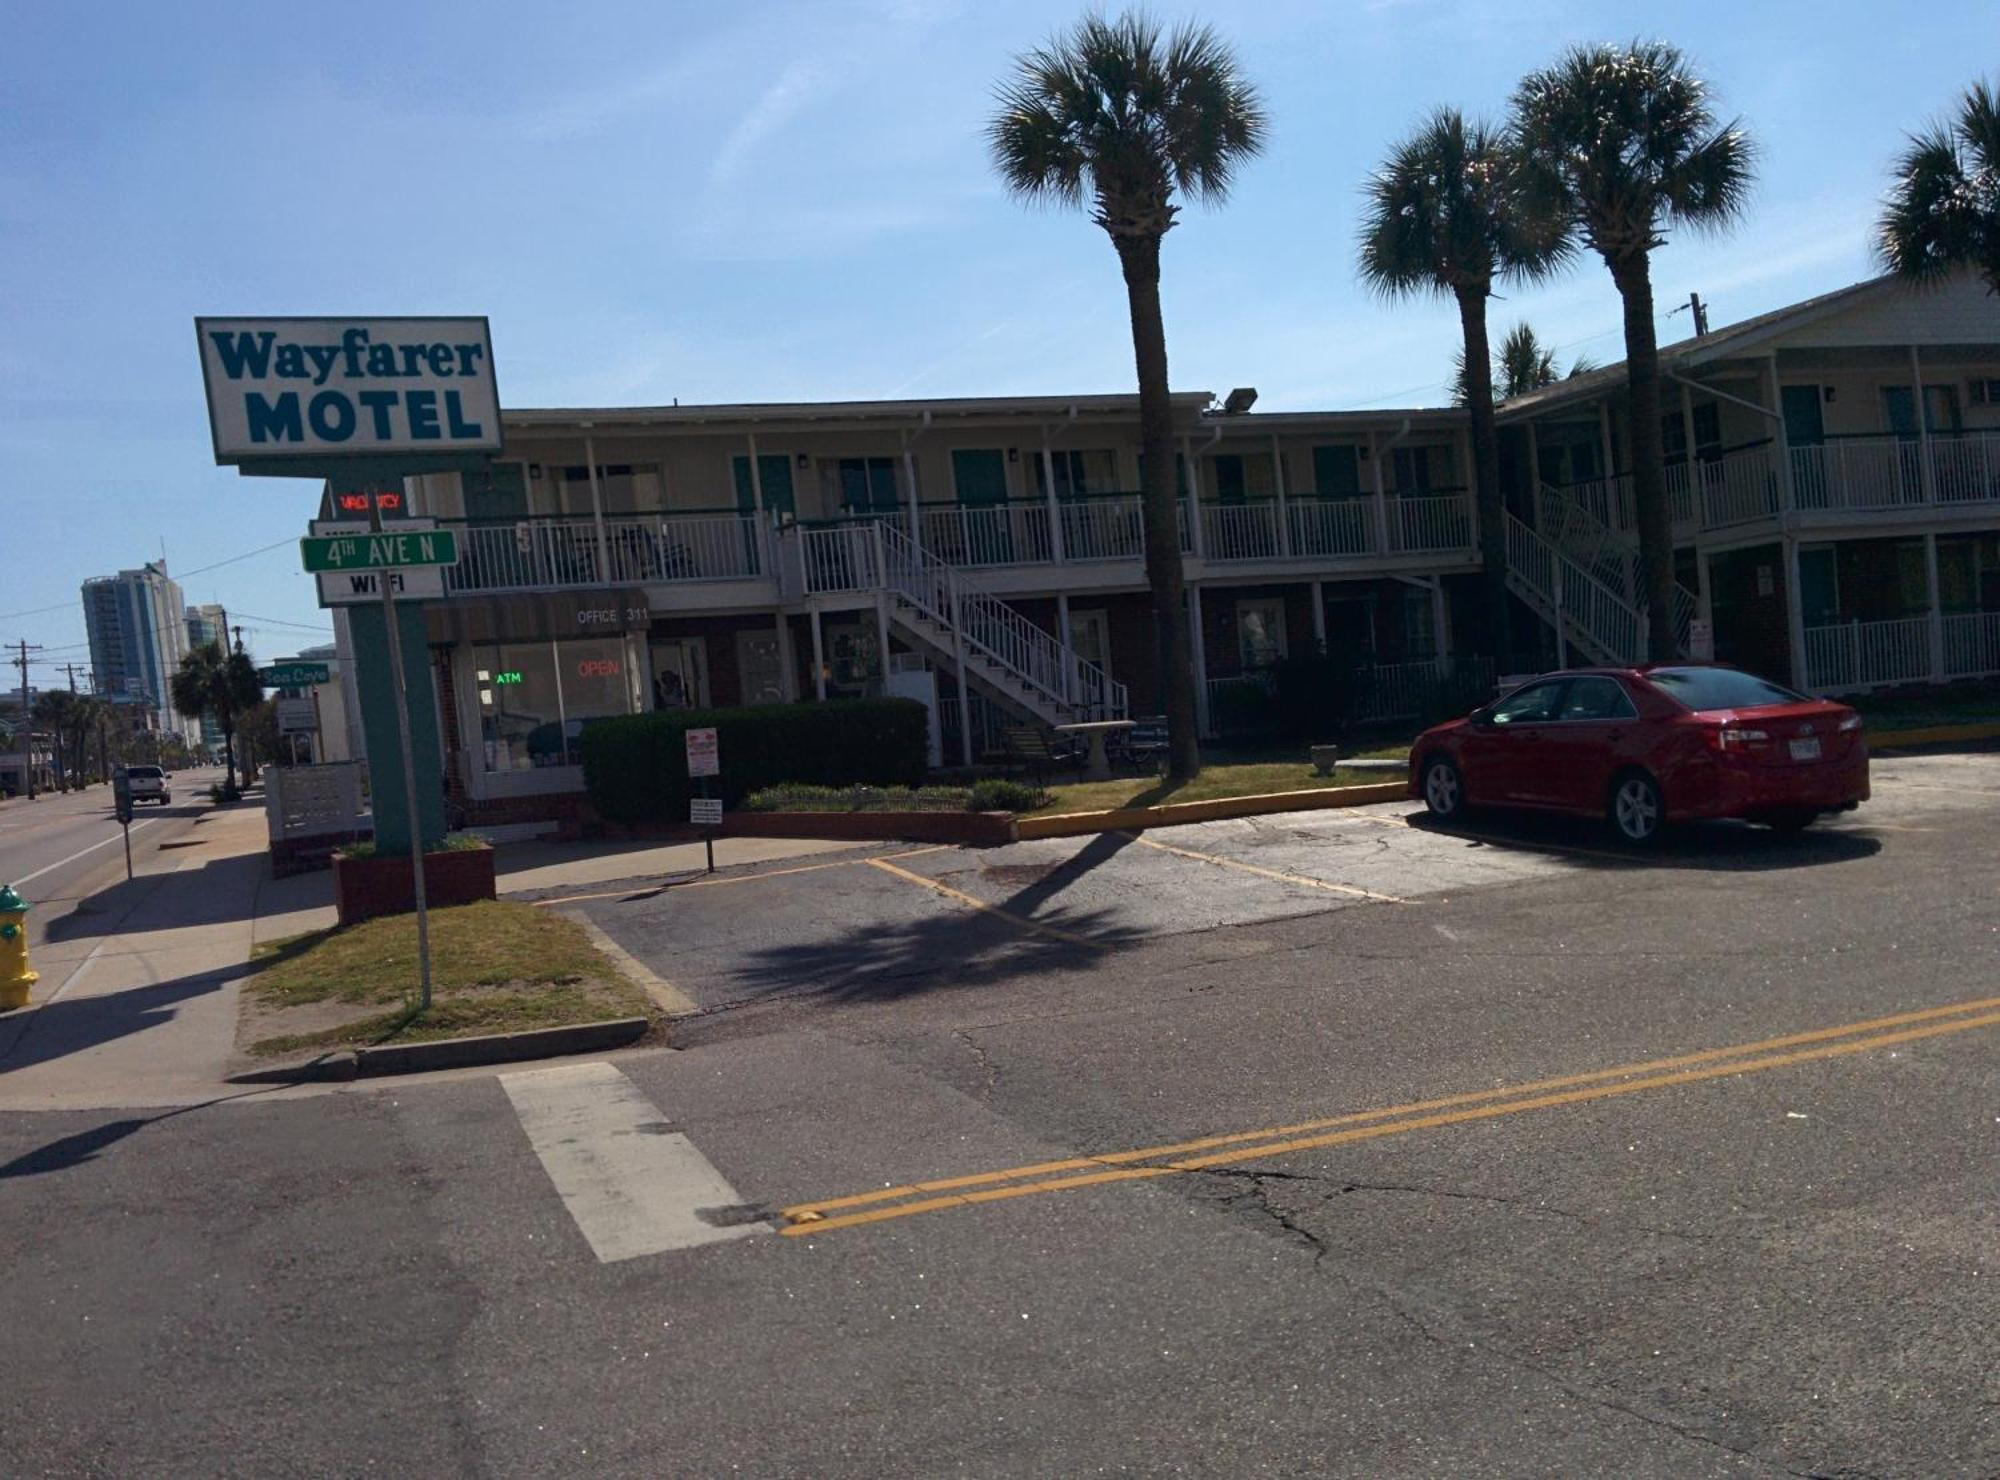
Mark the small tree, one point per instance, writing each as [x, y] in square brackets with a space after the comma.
[1118, 116]
[1618, 144]
[222, 685]
[1943, 213]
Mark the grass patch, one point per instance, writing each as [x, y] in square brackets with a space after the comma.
[793, 796]
[496, 967]
[1242, 779]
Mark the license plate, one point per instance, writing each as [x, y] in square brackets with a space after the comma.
[1806, 750]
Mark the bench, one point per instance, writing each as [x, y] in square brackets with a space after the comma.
[1039, 751]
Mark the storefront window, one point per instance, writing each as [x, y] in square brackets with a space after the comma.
[536, 698]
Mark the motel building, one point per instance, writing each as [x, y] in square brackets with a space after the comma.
[1834, 469]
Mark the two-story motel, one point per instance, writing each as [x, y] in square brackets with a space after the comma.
[1834, 467]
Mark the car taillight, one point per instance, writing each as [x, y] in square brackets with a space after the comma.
[1736, 737]
[1849, 722]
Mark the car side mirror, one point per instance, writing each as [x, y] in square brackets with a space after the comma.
[1481, 717]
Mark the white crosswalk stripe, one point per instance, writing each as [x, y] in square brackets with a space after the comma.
[633, 1186]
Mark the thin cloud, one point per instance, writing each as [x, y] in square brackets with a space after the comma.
[797, 87]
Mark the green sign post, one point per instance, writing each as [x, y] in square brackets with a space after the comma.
[379, 551]
[294, 675]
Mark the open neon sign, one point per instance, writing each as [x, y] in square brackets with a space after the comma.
[597, 668]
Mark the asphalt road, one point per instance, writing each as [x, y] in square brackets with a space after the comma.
[1316, 1144]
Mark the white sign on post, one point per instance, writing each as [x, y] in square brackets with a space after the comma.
[348, 387]
[704, 756]
[705, 811]
[297, 716]
[1701, 641]
[353, 587]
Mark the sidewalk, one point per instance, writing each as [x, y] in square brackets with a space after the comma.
[137, 1000]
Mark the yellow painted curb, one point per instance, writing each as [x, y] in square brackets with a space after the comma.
[1132, 819]
[1935, 735]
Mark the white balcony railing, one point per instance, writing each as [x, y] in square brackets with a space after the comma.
[1246, 531]
[549, 554]
[1860, 655]
[1106, 529]
[1971, 644]
[1344, 526]
[1014, 533]
[1965, 467]
[1856, 473]
[1437, 521]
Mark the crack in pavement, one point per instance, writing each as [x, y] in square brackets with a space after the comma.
[984, 1060]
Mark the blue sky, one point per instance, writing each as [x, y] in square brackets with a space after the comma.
[768, 202]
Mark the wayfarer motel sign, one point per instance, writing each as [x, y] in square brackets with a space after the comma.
[313, 389]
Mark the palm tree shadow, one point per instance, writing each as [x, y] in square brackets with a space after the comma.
[873, 962]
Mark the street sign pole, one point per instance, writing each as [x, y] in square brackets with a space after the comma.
[386, 579]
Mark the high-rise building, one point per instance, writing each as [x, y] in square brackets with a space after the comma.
[137, 623]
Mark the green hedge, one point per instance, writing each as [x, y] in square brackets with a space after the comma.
[635, 766]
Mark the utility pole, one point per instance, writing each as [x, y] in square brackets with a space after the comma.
[27, 720]
[70, 669]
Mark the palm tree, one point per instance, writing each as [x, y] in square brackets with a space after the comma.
[1445, 218]
[1944, 209]
[1524, 364]
[1117, 117]
[213, 682]
[1619, 144]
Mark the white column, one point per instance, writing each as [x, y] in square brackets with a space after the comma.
[1937, 607]
[756, 482]
[964, 682]
[1049, 490]
[1197, 536]
[1381, 496]
[1795, 620]
[1787, 495]
[1692, 469]
[1319, 617]
[910, 482]
[789, 660]
[1198, 655]
[819, 658]
[1704, 588]
[1062, 637]
[1278, 473]
[1926, 474]
[882, 637]
[1440, 618]
[597, 513]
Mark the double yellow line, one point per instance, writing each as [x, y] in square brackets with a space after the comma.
[1181, 1157]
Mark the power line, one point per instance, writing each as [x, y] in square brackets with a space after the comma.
[281, 622]
[181, 576]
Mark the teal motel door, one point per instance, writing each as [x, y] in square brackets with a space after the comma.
[774, 472]
[983, 536]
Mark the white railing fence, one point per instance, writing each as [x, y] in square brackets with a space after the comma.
[1241, 531]
[1971, 644]
[1344, 526]
[1105, 529]
[1859, 655]
[1857, 473]
[997, 534]
[1568, 593]
[1965, 467]
[538, 554]
[1440, 521]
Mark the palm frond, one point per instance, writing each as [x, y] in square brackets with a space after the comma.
[1943, 208]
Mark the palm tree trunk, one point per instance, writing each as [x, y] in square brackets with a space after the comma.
[226, 721]
[1634, 278]
[1140, 258]
[1486, 470]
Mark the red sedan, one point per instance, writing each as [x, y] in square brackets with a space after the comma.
[1641, 746]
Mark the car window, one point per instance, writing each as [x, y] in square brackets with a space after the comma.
[143, 771]
[1529, 705]
[1596, 698]
[1720, 688]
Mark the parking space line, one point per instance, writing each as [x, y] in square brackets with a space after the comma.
[1830, 1042]
[705, 883]
[959, 896]
[1263, 873]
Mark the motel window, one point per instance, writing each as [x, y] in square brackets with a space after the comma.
[860, 485]
[536, 698]
[1337, 472]
[1419, 625]
[498, 491]
[1260, 633]
[625, 488]
[1079, 473]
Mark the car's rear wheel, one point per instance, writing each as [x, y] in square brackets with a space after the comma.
[1444, 789]
[1637, 809]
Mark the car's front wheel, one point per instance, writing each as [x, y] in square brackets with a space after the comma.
[1637, 810]
[1444, 789]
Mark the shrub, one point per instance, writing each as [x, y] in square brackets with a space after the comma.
[1317, 698]
[635, 766]
[1243, 706]
[1001, 794]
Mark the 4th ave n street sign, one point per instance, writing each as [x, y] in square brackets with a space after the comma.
[294, 675]
[384, 551]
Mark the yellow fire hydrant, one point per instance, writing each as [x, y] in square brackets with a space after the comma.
[15, 978]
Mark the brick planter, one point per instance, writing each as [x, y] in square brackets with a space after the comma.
[366, 887]
[978, 829]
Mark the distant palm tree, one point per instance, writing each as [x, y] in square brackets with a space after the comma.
[1445, 218]
[1619, 144]
[221, 685]
[1116, 117]
[1943, 212]
[1524, 364]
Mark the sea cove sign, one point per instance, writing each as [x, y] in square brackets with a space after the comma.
[321, 388]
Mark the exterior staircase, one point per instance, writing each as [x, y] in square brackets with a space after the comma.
[946, 614]
[1609, 556]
